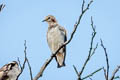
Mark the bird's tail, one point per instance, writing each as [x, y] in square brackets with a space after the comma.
[60, 58]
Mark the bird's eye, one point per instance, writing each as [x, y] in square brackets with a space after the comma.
[12, 64]
[48, 17]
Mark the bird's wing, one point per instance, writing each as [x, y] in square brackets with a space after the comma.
[65, 33]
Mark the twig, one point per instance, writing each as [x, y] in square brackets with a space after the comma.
[30, 70]
[105, 73]
[91, 53]
[1, 7]
[91, 47]
[91, 74]
[76, 72]
[28, 61]
[117, 77]
[53, 55]
[25, 60]
[19, 63]
[83, 5]
[90, 78]
[94, 50]
[107, 61]
[115, 71]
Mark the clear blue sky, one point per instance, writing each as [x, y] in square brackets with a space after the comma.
[21, 20]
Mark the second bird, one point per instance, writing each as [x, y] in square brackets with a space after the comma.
[56, 36]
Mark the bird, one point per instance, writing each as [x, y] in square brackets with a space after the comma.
[10, 71]
[56, 36]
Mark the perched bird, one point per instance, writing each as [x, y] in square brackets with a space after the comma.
[56, 36]
[10, 71]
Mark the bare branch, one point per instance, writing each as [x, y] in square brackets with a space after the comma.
[105, 73]
[19, 63]
[25, 59]
[107, 61]
[83, 5]
[94, 50]
[91, 53]
[23, 65]
[117, 77]
[30, 69]
[90, 78]
[43, 68]
[91, 47]
[76, 71]
[91, 74]
[53, 55]
[1, 7]
[115, 71]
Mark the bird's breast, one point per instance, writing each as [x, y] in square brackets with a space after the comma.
[55, 39]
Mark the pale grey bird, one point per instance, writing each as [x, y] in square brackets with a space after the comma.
[10, 71]
[56, 36]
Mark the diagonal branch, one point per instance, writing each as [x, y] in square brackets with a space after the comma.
[107, 61]
[115, 71]
[67, 42]
[91, 74]
[117, 77]
[76, 72]
[30, 69]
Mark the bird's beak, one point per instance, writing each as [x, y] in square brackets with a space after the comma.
[43, 20]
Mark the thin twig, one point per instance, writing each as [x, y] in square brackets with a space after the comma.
[94, 50]
[76, 71]
[91, 74]
[107, 61]
[23, 65]
[91, 47]
[90, 78]
[115, 71]
[19, 63]
[30, 70]
[53, 55]
[1, 7]
[117, 77]
[105, 73]
[25, 59]
[83, 5]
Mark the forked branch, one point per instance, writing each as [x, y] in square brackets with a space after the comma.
[23, 65]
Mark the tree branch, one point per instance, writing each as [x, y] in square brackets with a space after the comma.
[91, 74]
[30, 69]
[1, 7]
[91, 47]
[25, 60]
[76, 72]
[107, 61]
[115, 71]
[117, 77]
[67, 42]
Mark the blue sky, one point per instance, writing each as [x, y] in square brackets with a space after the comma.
[21, 20]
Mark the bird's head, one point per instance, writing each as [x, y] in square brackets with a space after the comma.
[12, 64]
[13, 70]
[50, 19]
[10, 71]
